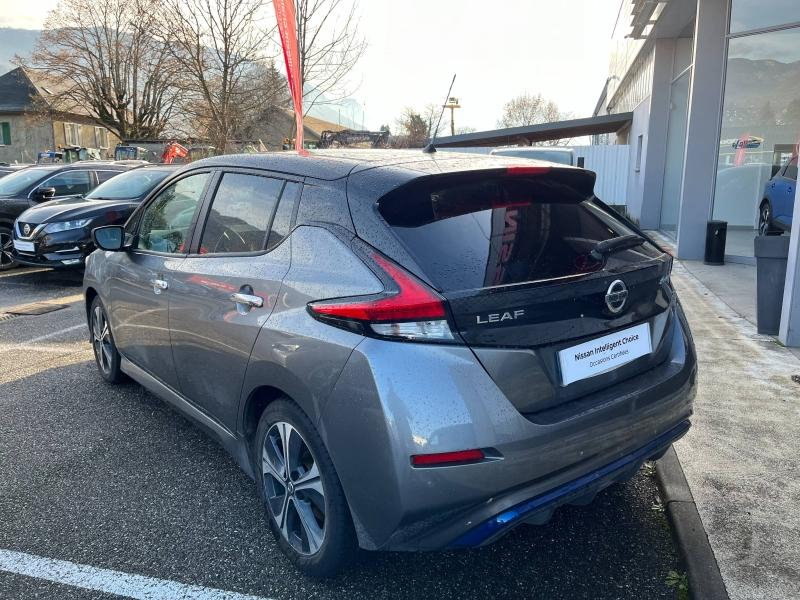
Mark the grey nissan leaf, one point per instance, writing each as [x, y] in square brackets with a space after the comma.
[406, 351]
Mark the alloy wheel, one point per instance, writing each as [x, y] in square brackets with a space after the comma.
[101, 339]
[764, 220]
[6, 251]
[293, 488]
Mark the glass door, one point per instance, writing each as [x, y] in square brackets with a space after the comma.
[676, 150]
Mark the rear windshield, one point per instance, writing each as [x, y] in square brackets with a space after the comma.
[500, 231]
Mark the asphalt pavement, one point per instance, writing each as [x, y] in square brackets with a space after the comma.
[111, 479]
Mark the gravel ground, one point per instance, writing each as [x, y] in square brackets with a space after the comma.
[111, 477]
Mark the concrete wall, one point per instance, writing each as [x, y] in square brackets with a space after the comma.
[639, 126]
[31, 135]
[28, 136]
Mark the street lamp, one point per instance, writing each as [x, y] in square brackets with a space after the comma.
[452, 104]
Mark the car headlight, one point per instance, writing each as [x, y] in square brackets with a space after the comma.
[65, 225]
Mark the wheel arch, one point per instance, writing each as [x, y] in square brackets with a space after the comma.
[89, 295]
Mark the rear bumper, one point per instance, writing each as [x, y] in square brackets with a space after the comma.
[578, 491]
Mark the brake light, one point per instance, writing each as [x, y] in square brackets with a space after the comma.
[527, 170]
[444, 458]
[408, 309]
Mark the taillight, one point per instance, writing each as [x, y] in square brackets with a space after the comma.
[407, 309]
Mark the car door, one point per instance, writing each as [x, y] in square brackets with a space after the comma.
[141, 289]
[783, 201]
[224, 292]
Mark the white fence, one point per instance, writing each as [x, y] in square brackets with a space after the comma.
[611, 165]
[609, 162]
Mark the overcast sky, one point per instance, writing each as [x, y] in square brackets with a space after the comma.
[499, 49]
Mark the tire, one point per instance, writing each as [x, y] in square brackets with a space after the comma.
[7, 260]
[311, 523]
[106, 355]
[765, 226]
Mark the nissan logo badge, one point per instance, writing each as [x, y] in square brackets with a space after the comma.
[616, 296]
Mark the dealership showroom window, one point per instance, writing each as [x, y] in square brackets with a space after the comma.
[760, 126]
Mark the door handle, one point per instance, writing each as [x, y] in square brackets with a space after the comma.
[159, 285]
[247, 300]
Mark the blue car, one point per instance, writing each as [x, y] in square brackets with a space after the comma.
[775, 212]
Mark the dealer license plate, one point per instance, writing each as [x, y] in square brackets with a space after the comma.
[604, 354]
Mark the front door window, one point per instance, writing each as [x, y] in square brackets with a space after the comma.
[166, 222]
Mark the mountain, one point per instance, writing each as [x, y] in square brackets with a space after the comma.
[15, 41]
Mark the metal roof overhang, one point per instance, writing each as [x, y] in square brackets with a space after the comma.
[539, 133]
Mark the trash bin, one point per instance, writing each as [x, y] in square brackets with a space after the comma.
[772, 254]
[716, 232]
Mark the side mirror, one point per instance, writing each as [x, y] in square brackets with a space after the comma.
[44, 193]
[110, 237]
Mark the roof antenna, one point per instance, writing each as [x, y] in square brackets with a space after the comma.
[430, 148]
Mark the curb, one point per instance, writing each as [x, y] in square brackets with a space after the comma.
[705, 580]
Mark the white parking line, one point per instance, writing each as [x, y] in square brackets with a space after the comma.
[53, 334]
[108, 581]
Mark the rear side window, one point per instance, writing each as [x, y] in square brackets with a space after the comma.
[282, 222]
[500, 231]
[791, 169]
[103, 176]
[240, 214]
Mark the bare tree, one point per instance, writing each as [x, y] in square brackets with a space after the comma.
[101, 57]
[527, 109]
[431, 115]
[220, 46]
[412, 130]
[329, 47]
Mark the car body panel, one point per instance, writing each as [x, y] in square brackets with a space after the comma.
[211, 338]
[139, 315]
[780, 192]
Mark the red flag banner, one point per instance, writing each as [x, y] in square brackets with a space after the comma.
[287, 28]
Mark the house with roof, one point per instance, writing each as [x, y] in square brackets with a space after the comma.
[278, 123]
[27, 127]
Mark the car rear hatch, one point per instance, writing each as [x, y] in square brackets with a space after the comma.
[532, 265]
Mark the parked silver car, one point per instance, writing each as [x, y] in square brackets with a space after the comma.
[406, 351]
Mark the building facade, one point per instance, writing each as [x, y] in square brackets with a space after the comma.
[714, 88]
[25, 130]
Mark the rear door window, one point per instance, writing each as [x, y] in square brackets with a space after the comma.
[500, 231]
[240, 214]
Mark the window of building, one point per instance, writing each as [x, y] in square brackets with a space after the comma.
[760, 130]
[5, 134]
[101, 137]
[639, 146]
[72, 134]
[747, 15]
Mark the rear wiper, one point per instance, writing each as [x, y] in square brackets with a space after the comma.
[616, 244]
